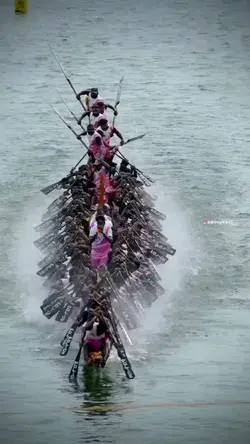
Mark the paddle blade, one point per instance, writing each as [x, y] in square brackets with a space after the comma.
[133, 139]
[52, 297]
[75, 367]
[51, 187]
[68, 339]
[65, 312]
[53, 309]
[157, 213]
[119, 91]
[46, 270]
[125, 363]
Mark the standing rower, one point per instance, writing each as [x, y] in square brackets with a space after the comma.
[103, 106]
[107, 131]
[91, 97]
[97, 149]
[94, 116]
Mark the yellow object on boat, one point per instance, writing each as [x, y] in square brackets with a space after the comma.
[21, 6]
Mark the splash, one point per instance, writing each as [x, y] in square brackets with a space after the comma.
[153, 321]
[27, 256]
[174, 273]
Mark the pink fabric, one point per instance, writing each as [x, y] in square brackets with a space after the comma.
[97, 150]
[108, 153]
[100, 247]
[98, 177]
[107, 142]
[99, 261]
[107, 136]
[97, 344]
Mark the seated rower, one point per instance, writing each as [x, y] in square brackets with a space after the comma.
[100, 239]
[94, 116]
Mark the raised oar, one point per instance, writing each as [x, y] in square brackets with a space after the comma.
[79, 138]
[118, 98]
[70, 128]
[66, 77]
[71, 112]
[133, 139]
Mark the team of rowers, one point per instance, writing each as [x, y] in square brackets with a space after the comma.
[101, 152]
[99, 130]
[108, 236]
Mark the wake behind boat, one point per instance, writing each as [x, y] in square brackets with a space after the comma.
[102, 240]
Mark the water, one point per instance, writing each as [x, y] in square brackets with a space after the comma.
[186, 69]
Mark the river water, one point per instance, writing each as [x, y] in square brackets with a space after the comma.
[186, 69]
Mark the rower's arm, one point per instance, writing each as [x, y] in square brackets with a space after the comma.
[118, 134]
[91, 239]
[83, 319]
[82, 93]
[84, 133]
[87, 113]
[111, 107]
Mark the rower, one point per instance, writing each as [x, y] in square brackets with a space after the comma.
[94, 116]
[96, 148]
[108, 220]
[103, 106]
[100, 239]
[91, 97]
[107, 131]
[96, 339]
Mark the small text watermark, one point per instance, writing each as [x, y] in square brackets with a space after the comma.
[217, 222]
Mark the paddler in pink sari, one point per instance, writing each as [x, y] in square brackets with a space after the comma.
[100, 239]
